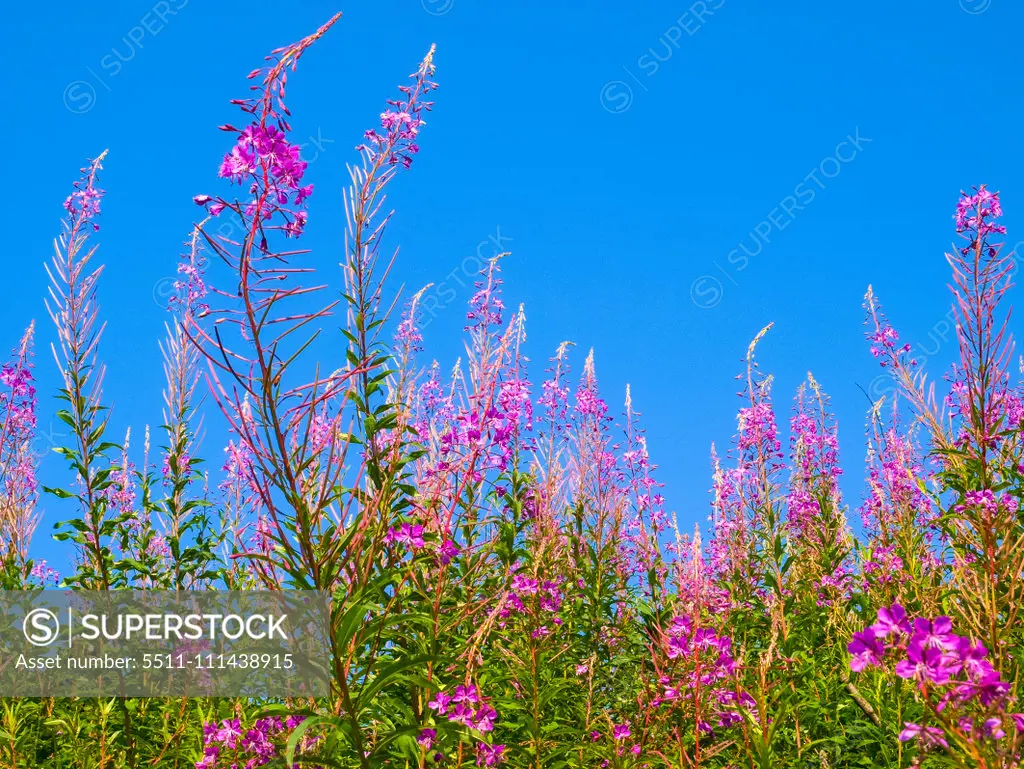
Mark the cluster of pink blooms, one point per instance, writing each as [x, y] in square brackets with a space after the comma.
[486, 305]
[491, 429]
[704, 662]
[489, 755]
[263, 159]
[542, 600]
[432, 405]
[120, 494]
[815, 452]
[487, 428]
[44, 574]
[238, 466]
[892, 478]
[895, 502]
[516, 405]
[84, 204]
[18, 401]
[884, 344]
[554, 399]
[408, 335]
[402, 122]
[986, 502]
[17, 377]
[17, 427]
[227, 744]
[975, 212]
[1013, 408]
[272, 168]
[190, 288]
[183, 463]
[835, 586]
[159, 547]
[883, 567]
[465, 707]
[639, 541]
[927, 652]
[758, 430]
[739, 492]
[589, 404]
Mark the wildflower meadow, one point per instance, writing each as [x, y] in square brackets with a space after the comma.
[508, 584]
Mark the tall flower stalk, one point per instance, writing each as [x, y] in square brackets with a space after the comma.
[75, 313]
[18, 464]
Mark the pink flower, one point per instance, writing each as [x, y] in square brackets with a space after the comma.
[927, 663]
[447, 551]
[406, 534]
[936, 633]
[489, 755]
[466, 694]
[865, 649]
[484, 718]
[440, 703]
[426, 738]
[891, 621]
[927, 735]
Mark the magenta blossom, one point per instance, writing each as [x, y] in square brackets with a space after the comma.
[866, 650]
[410, 535]
[892, 621]
[929, 735]
[927, 663]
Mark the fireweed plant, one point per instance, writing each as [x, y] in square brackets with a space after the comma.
[508, 586]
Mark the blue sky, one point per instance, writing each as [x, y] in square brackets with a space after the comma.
[669, 178]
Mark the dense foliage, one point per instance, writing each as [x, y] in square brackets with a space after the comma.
[508, 586]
